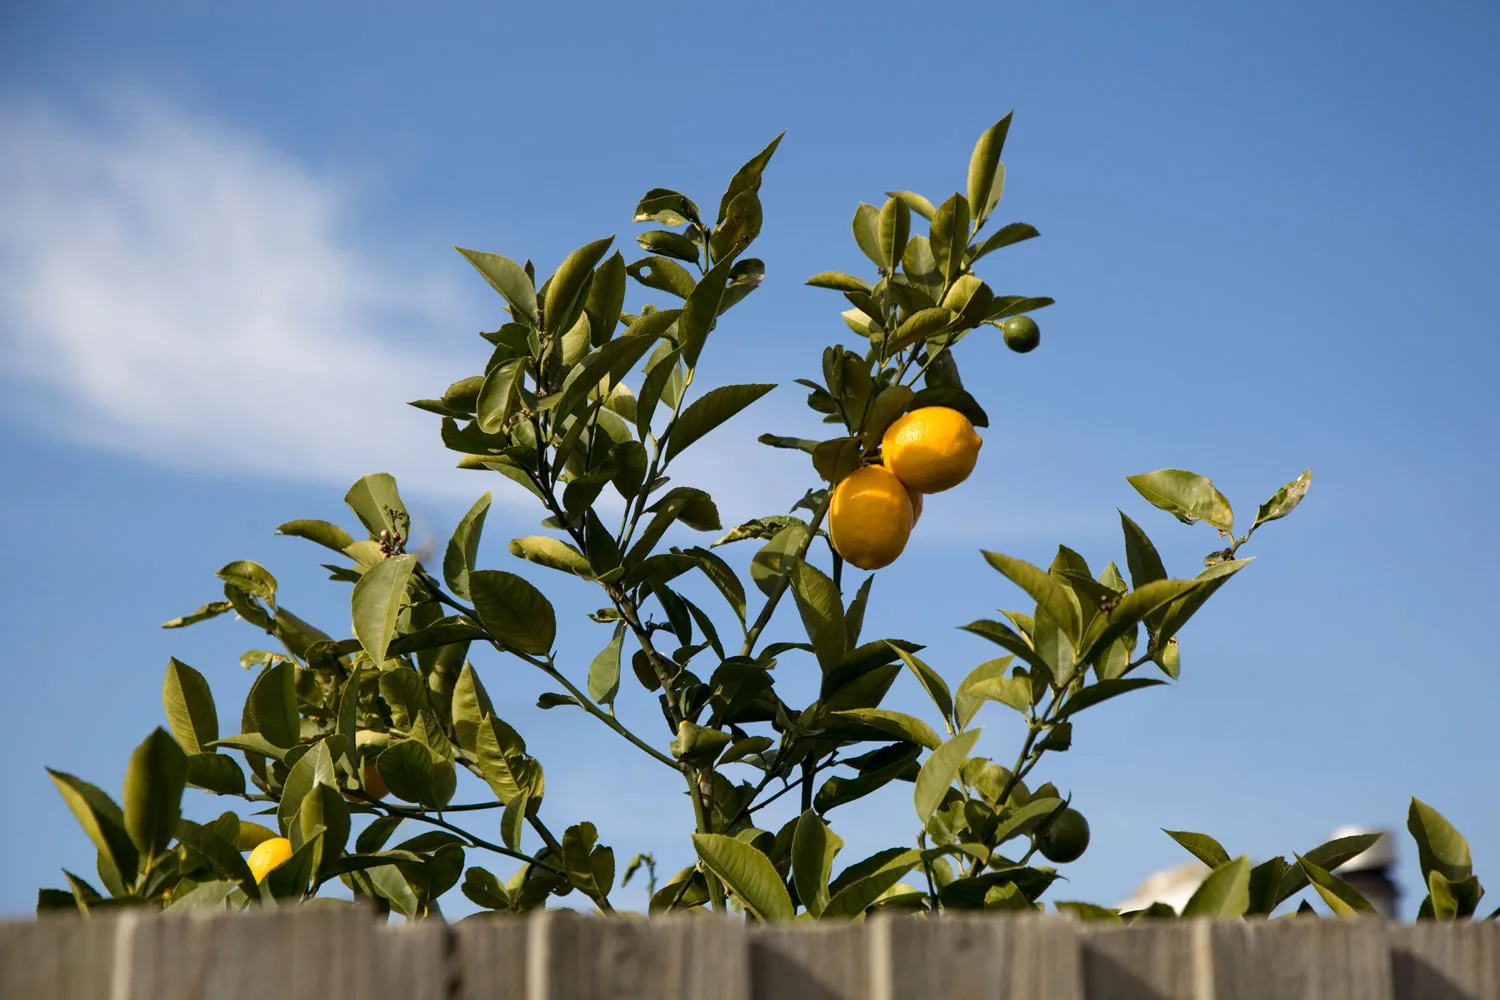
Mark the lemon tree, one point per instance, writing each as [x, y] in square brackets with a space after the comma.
[346, 753]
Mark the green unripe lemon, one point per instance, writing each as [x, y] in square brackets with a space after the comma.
[1065, 838]
[1021, 334]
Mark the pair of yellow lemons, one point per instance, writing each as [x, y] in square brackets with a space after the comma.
[873, 509]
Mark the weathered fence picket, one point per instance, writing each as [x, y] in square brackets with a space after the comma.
[347, 954]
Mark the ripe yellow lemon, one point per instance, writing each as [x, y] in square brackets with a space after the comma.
[931, 449]
[870, 517]
[267, 855]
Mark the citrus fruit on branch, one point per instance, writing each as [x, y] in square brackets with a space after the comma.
[931, 449]
[870, 517]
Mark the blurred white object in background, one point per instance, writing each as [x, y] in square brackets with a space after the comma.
[1369, 872]
[1173, 886]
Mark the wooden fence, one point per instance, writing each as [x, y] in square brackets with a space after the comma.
[346, 954]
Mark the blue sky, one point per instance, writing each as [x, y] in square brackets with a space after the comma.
[225, 263]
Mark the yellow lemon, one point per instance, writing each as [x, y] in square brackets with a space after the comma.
[870, 517]
[267, 855]
[931, 449]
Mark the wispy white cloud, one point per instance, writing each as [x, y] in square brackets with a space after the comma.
[181, 290]
[177, 289]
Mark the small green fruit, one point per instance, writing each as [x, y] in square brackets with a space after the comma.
[1065, 838]
[1021, 334]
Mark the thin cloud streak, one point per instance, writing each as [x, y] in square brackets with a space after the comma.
[182, 291]
[178, 290]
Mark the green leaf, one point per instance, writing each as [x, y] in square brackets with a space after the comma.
[251, 743]
[1342, 898]
[922, 272]
[215, 772]
[675, 245]
[747, 178]
[1054, 647]
[748, 873]
[101, 819]
[1140, 555]
[499, 395]
[667, 207]
[814, 846]
[854, 615]
[323, 820]
[376, 603]
[1284, 502]
[189, 705]
[967, 701]
[470, 705]
[606, 298]
[709, 411]
[1007, 638]
[854, 898]
[552, 553]
[839, 282]
[604, 672]
[983, 169]
[413, 773]
[212, 609]
[513, 611]
[822, 612]
[1016, 232]
[937, 774]
[463, 547]
[701, 310]
[509, 279]
[378, 506]
[918, 326]
[316, 766]
[893, 229]
[1103, 691]
[614, 359]
[1015, 305]
[1224, 894]
[1014, 692]
[1133, 608]
[250, 579]
[1265, 878]
[1201, 846]
[1051, 596]
[662, 274]
[154, 779]
[1170, 619]
[692, 507]
[931, 681]
[776, 558]
[271, 706]
[950, 237]
[867, 232]
[497, 748]
[567, 284]
[330, 536]
[915, 202]
[652, 387]
[882, 723]
[1440, 847]
[739, 228]
[1186, 495]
